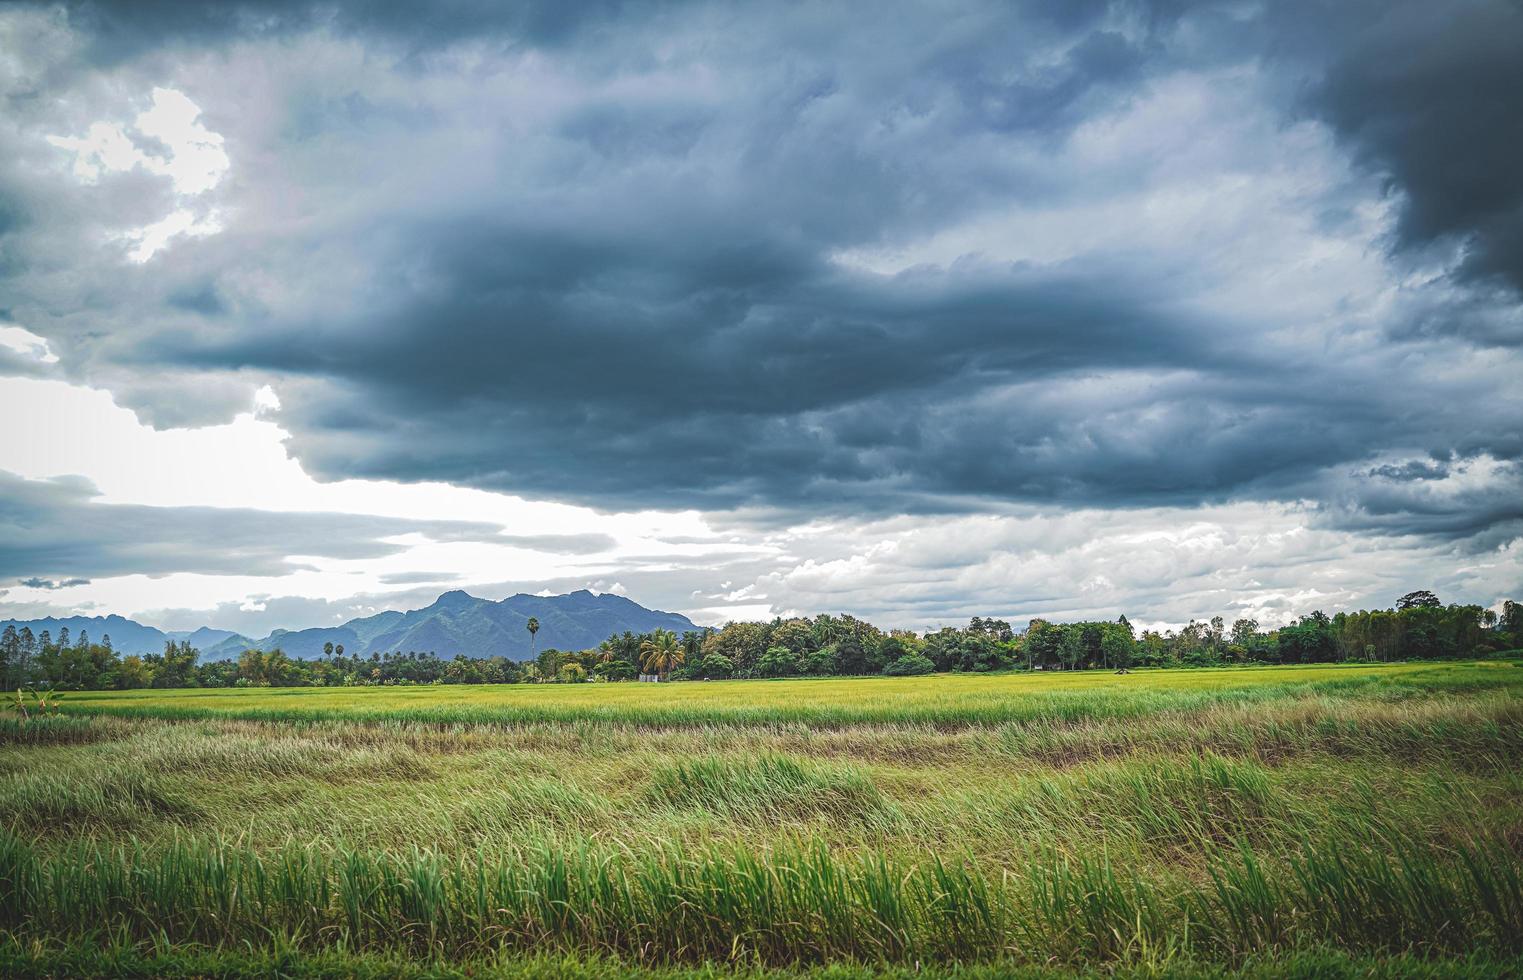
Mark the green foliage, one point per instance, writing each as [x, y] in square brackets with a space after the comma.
[909, 665]
[30, 703]
[615, 670]
[661, 653]
[778, 662]
[826, 645]
[717, 666]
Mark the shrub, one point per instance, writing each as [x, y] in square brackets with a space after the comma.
[716, 666]
[616, 670]
[818, 662]
[778, 662]
[908, 665]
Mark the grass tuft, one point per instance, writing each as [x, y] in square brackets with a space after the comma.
[101, 800]
[773, 788]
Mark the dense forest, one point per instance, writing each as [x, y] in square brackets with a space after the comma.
[1419, 627]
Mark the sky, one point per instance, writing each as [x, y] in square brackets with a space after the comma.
[1058, 308]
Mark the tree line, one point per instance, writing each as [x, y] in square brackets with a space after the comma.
[1418, 627]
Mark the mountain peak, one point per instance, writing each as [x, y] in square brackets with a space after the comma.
[456, 622]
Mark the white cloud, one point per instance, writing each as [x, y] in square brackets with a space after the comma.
[196, 161]
[65, 429]
[27, 344]
[153, 238]
[1272, 562]
[192, 157]
[104, 148]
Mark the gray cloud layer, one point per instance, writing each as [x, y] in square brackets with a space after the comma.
[644, 254]
[52, 528]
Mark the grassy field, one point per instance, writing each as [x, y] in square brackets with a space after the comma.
[1349, 820]
[949, 699]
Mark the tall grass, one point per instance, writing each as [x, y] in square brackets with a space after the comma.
[52, 730]
[771, 788]
[1161, 803]
[1477, 731]
[790, 905]
[105, 800]
[1108, 827]
[1166, 784]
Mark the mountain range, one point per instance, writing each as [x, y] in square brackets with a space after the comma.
[456, 622]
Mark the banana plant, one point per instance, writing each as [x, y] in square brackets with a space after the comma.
[43, 703]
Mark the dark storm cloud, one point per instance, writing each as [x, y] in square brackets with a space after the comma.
[1412, 469]
[125, 28]
[50, 585]
[53, 528]
[830, 388]
[1431, 95]
[644, 254]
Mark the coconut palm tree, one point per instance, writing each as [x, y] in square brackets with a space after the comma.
[661, 652]
[533, 627]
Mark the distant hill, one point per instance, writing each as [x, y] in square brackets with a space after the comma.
[454, 623]
[226, 649]
[126, 636]
[206, 638]
[461, 623]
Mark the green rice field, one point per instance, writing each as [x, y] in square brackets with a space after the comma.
[948, 699]
[1322, 821]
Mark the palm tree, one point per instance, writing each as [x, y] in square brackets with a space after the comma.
[533, 627]
[661, 652]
